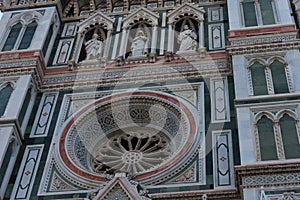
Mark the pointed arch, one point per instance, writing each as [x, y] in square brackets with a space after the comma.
[186, 10]
[261, 114]
[72, 9]
[286, 111]
[254, 60]
[258, 78]
[140, 15]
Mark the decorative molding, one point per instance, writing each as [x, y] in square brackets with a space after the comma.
[27, 172]
[63, 51]
[220, 110]
[44, 115]
[265, 39]
[216, 36]
[223, 159]
[264, 48]
[271, 180]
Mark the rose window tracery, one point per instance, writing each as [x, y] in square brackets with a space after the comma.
[134, 153]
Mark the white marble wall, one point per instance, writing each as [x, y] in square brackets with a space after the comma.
[246, 136]
[240, 76]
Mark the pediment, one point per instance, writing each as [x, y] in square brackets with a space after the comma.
[190, 9]
[141, 14]
[120, 188]
[98, 18]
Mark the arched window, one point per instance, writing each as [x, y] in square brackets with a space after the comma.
[249, 11]
[18, 38]
[259, 82]
[258, 12]
[266, 136]
[267, 14]
[12, 37]
[4, 98]
[28, 35]
[290, 137]
[279, 77]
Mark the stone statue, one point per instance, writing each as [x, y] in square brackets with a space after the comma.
[94, 48]
[187, 39]
[139, 44]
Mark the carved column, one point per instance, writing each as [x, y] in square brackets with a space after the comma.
[107, 44]
[154, 39]
[170, 38]
[201, 34]
[278, 140]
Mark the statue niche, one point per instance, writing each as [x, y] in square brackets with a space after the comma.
[94, 48]
[139, 46]
[93, 45]
[187, 40]
[139, 41]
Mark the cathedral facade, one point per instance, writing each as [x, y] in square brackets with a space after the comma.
[149, 99]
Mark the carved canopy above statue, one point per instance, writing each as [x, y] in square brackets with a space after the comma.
[186, 9]
[98, 19]
[142, 14]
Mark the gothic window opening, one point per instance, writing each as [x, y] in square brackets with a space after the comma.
[28, 35]
[12, 37]
[259, 82]
[186, 36]
[290, 137]
[258, 12]
[267, 13]
[279, 77]
[5, 94]
[266, 136]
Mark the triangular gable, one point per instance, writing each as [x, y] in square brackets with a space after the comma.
[97, 18]
[141, 14]
[191, 9]
[120, 185]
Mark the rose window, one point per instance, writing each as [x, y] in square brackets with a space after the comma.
[147, 134]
